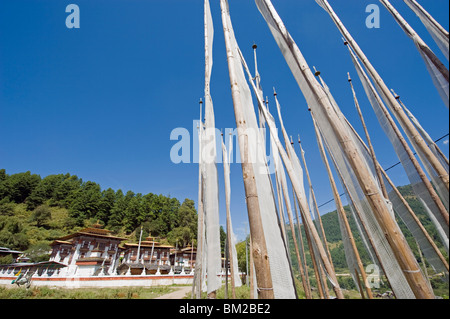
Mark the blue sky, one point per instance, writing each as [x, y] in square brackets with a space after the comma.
[101, 101]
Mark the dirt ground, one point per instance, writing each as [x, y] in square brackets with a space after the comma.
[178, 294]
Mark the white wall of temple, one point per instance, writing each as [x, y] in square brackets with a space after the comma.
[72, 267]
[74, 270]
[82, 278]
[104, 281]
[86, 271]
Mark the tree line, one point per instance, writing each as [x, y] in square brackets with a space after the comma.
[125, 213]
[85, 201]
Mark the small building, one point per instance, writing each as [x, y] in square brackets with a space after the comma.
[90, 251]
[148, 257]
[94, 251]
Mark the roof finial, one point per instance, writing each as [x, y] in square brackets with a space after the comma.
[317, 73]
[395, 95]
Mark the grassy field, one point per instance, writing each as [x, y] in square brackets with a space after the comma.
[84, 293]
[43, 292]
[243, 292]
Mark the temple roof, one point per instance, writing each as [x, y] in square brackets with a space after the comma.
[94, 231]
[42, 264]
[89, 259]
[188, 248]
[148, 244]
[57, 241]
[5, 250]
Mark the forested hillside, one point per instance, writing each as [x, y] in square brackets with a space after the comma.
[34, 211]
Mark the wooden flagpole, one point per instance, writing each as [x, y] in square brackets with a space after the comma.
[404, 202]
[382, 174]
[414, 216]
[430, 142]
[227, 254]
[442, 210]
[369, 142]
[297, 253]
[429, 17]
[363, 225]
[341, 212]
[325, 242]
[401, 116]
[319, 279]
[321, 282]
[417, 39]
[296, 186]
[442, 173]
[252, 282]
[437, 32]
[285, 192]
[302, 246]
[322, 231]
[230, 256]
[198, 264]
[376, 200]
[259, 249]
[320, 276]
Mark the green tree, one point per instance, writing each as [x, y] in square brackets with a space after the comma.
[186, 232]
[19, 186]
[133, 213]
[223, 239]
[6, 207]
[85, 202]
[157, 227]
[106, 205]
[242, 255]
[183, 236]
[115, 221]
[63, 191]
[148, 206]
[38, 252]
[165, 210]
[12, 233]
[3, 188]
[187, 215]
[3, 175]
[5, 260]
[41, 216]
[44, 190]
